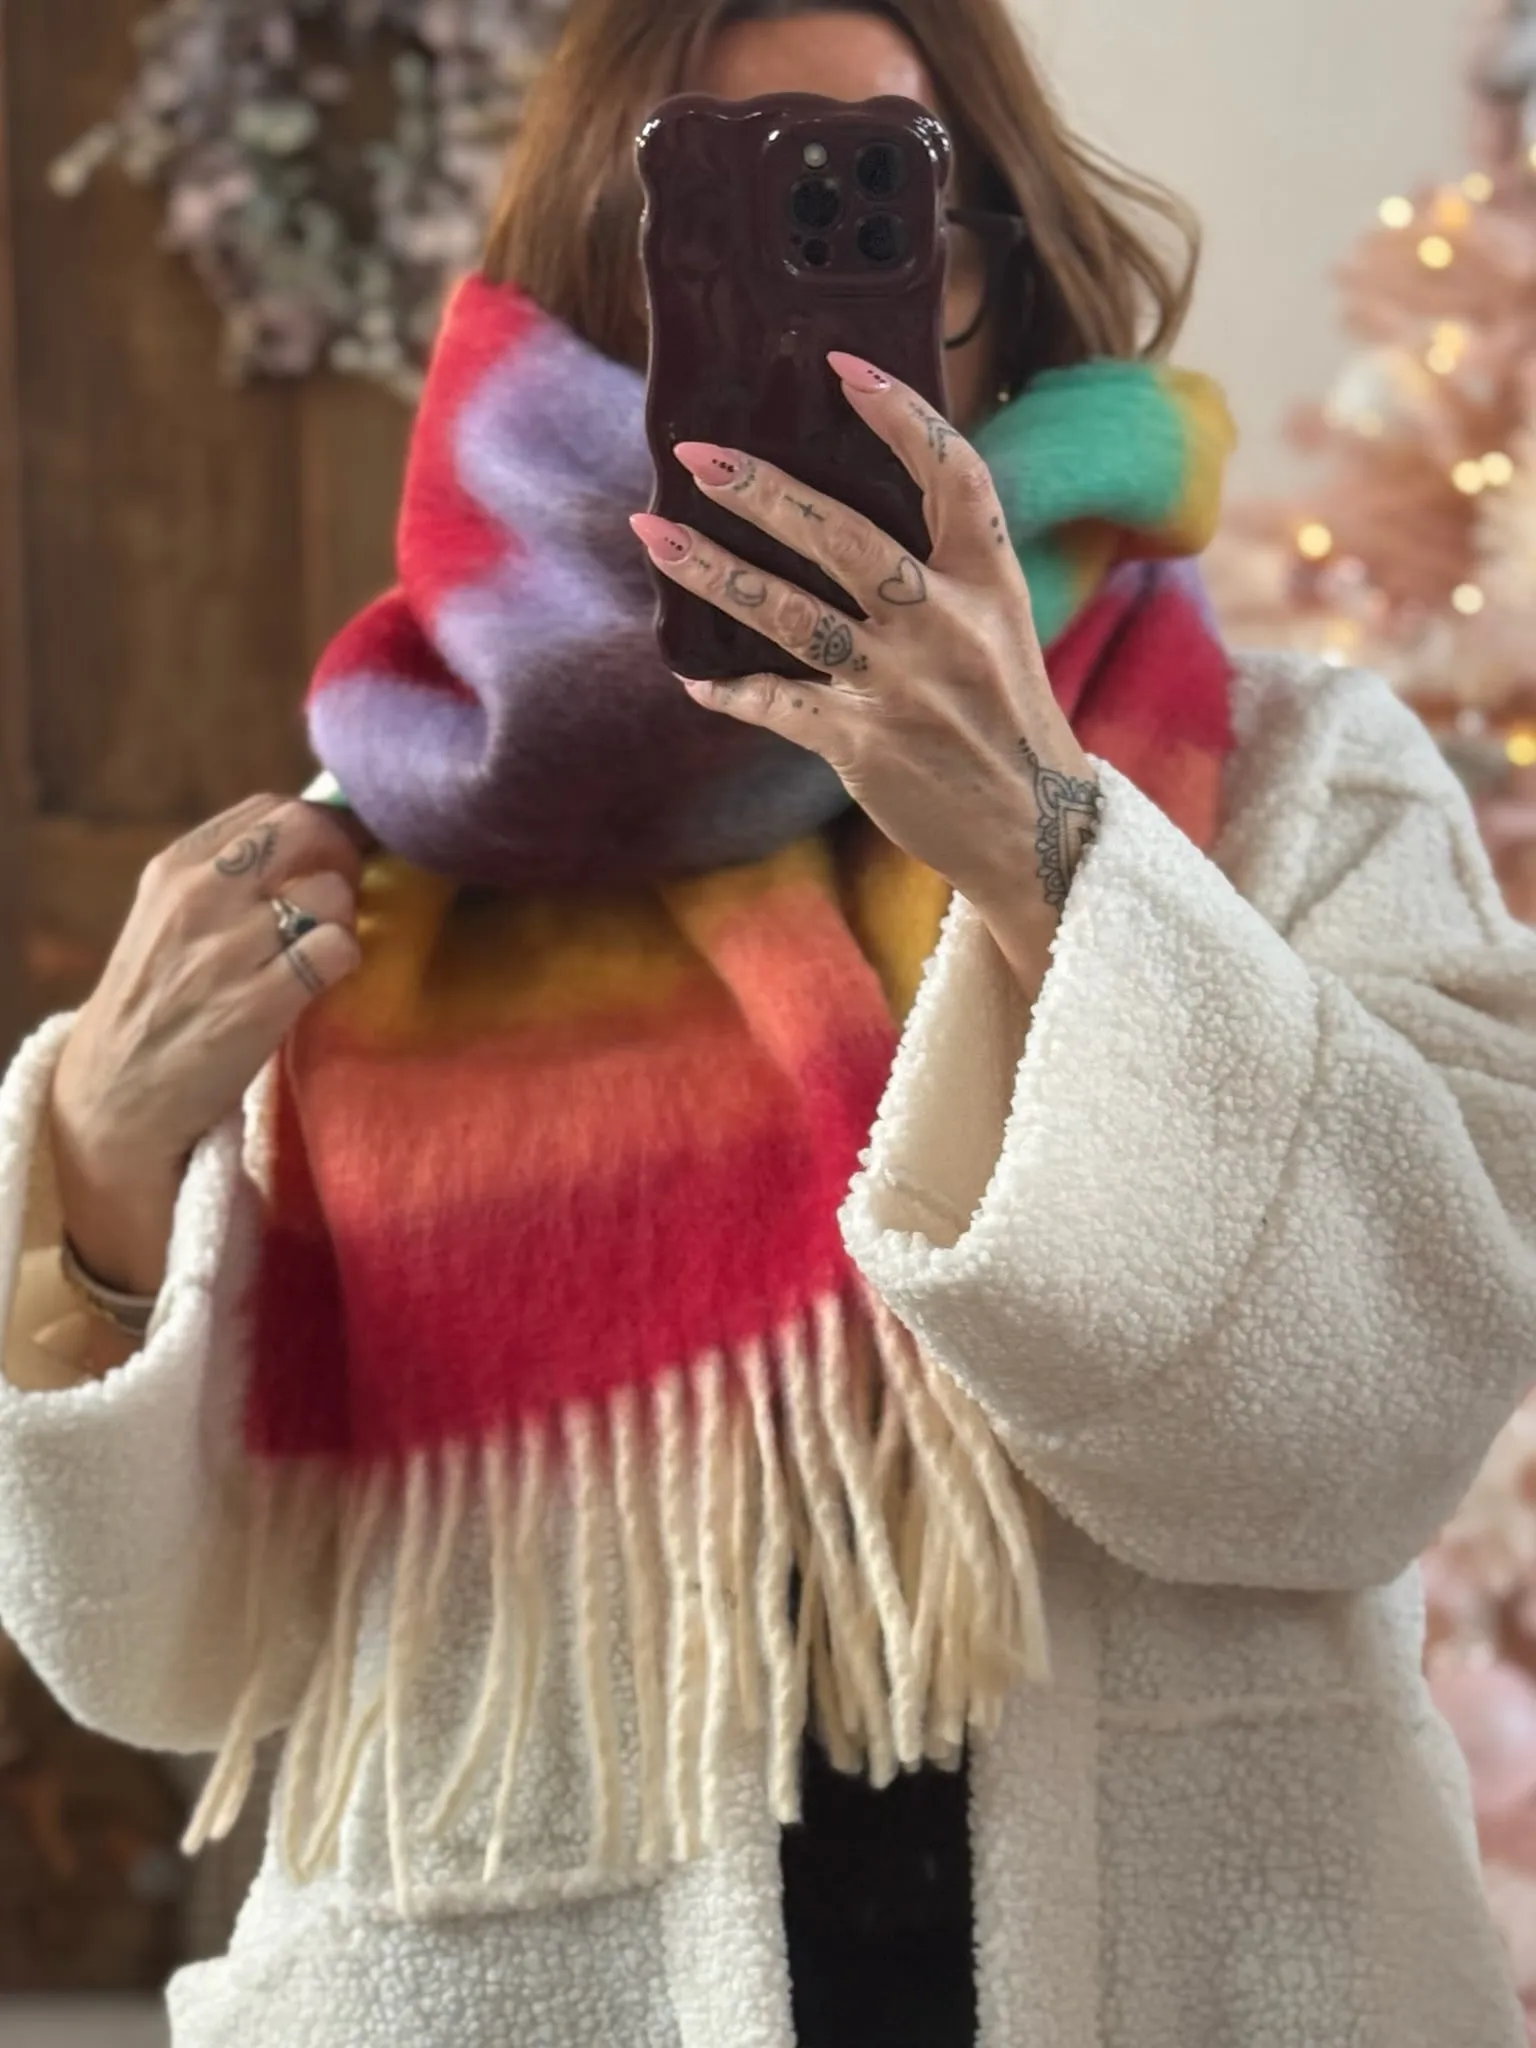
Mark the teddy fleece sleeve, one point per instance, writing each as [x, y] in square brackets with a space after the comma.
[124, 1519]
[1235, 1238]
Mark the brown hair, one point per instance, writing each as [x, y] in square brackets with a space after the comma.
[567, 226]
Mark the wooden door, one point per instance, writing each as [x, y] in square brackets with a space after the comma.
[173, 551]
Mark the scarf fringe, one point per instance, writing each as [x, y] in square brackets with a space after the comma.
[819, 1534]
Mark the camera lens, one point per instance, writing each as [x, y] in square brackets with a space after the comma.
[817, 253]
[815, 203]
[882, 239]
[879, 170]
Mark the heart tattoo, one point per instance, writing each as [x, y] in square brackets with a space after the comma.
[907, 586]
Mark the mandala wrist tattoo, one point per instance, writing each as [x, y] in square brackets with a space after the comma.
[1069, 808]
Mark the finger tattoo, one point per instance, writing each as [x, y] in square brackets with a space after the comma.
[831, 643]
[207, 838]
[1069, 809]
[746, 588]
[304, 971]
[940, 432]
[747, 478]
[804, 506]
[251, 857]
[907, 584]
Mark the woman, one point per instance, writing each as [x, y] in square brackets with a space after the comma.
[491, 1404]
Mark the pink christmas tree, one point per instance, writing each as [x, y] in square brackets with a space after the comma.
[1413, 547]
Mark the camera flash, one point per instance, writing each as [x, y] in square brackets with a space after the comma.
[816, 155]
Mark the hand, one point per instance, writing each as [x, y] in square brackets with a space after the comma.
[196, 998]
[937, 712]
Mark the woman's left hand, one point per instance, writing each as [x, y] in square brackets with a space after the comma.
[937, 713]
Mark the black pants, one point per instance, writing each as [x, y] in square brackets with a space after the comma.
[877, 1908]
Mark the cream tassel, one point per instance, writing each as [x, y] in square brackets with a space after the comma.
[1000, 1485]
[684, 1631]
[939, 1473]
[597, 1707]
[852, 1651]
[528, 1567]
[292, 1516]
[745, 1507]
[949, 1678]
[856, 1466]
[787, 1679]
[362, 1515]
[298, 1794]
[344, 1732]
[712, 1462]
[634, 1477]
[853, 1468]
[496, 1483]
[229, 1781]
[409, 1617]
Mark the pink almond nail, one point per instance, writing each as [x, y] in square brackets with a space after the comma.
[665, 542]
[711, 465]
[857, 374]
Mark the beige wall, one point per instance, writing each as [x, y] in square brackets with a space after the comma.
[1286, 122]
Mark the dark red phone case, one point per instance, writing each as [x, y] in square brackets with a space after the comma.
[743, 311]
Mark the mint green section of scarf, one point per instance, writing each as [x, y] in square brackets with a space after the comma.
[1124, 446]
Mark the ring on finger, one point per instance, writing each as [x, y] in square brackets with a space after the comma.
[293, 923]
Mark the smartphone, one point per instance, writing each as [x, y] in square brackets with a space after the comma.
[777, 229]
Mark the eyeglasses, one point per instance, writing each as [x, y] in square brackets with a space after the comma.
[984, 248]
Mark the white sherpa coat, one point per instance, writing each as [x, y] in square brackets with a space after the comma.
[1236, 1244]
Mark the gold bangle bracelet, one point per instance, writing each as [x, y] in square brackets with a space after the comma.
[130, 1313]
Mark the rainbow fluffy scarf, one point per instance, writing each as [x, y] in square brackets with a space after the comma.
[552, 1244]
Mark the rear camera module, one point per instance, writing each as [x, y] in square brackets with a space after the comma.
[882, 239]
[880, 170]
[815, 203]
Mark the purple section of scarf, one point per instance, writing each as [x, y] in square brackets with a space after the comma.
[577, 757]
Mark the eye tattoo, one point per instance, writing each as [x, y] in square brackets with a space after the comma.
[831, 643]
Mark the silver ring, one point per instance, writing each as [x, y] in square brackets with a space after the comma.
[293, 924]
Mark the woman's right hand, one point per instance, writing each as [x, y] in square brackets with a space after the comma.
[197, 997]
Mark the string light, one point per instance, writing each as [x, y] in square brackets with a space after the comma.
[1452, 211]
[1314, 542]
[1449, 345]
[1468, 600]
[1469, 478]
[1436, 253]
[1498, 470]
[1478, 187]
[1533, 156]
[1397, 213]
[1520, 748]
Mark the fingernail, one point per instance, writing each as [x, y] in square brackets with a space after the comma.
[665, 542]
[711, 465]
[857, 374]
